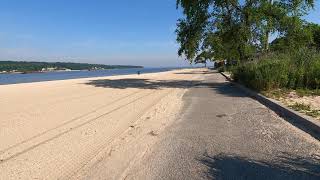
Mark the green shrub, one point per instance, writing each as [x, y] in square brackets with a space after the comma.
[221, 69]
[301, 107]
[300, 70]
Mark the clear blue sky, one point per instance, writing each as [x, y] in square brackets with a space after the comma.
[139, 32]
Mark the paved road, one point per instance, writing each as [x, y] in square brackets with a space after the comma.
[223, 134]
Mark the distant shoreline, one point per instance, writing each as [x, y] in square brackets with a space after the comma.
[24, 67]
[35, 72]
[75, 70]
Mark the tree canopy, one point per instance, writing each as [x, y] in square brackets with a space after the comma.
[238, 29]
[308, 35]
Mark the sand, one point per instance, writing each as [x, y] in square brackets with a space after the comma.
[313, 102]
[64, 129]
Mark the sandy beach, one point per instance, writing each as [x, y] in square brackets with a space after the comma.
[61, 129]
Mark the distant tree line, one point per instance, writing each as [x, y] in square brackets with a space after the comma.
[23, 66]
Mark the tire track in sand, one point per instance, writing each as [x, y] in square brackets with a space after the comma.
[67, 122]
[5, 155]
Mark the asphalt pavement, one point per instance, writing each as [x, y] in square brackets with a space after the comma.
[224, 134]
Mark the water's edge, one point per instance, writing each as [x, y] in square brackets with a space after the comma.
[51, 76]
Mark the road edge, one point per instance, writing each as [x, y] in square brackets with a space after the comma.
[301, 121]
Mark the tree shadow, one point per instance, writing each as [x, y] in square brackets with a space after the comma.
[287, 166]
[225, 88]
[197, 72]
[142, 83]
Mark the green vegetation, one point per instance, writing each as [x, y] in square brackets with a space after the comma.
[300, 107]
[308, 92]
[293, 63]
[11, 66]
[300, 70]
[238, 32]
[284, 93]
[313, 113]
[276, 93]
[305, 108]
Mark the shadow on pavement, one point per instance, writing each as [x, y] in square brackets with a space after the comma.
[197, 72]
[234, 167]
[224, 88]
[141, 83]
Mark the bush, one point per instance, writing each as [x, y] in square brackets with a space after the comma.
[221, 69]
[300, 70]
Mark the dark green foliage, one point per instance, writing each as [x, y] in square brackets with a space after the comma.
[37, 66]
[315, 32]
[302, 36]
[238, 30]
[221, 69]
[308, 92]
[299, 70]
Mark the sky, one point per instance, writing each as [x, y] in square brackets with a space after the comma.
[135, 32]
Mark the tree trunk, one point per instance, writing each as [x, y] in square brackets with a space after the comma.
[266, 40]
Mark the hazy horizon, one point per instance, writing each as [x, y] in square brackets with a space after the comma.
[119, 33]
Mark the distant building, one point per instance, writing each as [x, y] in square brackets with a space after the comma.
[49, 69]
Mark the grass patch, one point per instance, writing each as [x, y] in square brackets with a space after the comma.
[300, 107]
[308, 92]
[305, 108]
[313, 113]
[276, 94]
[283, 93]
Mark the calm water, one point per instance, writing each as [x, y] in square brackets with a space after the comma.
[50, 76]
